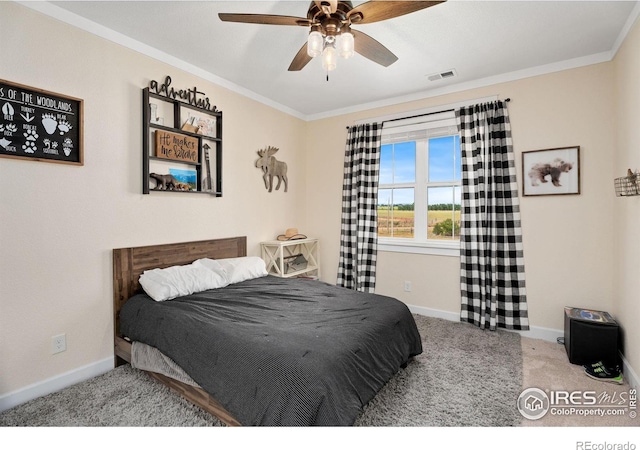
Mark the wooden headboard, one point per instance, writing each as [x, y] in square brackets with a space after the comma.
[129, 263]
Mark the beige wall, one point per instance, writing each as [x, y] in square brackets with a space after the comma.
[627, 210]
[579, 250]
[58, 223]
[567, 239]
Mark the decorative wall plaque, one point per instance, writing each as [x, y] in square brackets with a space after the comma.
[40, 125]
[177, 147]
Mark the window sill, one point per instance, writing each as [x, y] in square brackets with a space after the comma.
[451, 249]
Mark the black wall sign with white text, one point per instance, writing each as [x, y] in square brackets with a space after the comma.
[40, 125]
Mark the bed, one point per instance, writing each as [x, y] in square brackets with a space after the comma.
[266, 350]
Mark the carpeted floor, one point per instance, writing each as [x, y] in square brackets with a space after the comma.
[547, 367]
[455, 382]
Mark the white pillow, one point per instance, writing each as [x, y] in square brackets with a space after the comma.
[237, 269]
[211, 264]
[176, 281]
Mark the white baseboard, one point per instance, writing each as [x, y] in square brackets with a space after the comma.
[629, 374]
[55, 384]
[429, 312]
[546, 334]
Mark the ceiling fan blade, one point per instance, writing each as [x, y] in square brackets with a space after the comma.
[331, 6]
[301, 59]
[372, 49]
[264, 19]
[375, 11]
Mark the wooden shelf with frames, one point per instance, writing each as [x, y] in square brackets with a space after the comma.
[164, 119]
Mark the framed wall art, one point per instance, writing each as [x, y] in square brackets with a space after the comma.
[554, 171]
[40, 125]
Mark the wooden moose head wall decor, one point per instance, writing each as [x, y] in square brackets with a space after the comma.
[271, 167]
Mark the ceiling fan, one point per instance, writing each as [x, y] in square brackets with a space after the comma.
[330, 31]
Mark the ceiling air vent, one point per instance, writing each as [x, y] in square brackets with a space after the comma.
[442, 75]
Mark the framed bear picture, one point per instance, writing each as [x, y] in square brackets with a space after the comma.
[554, 171]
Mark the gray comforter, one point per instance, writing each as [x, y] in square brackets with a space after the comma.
[273, 351]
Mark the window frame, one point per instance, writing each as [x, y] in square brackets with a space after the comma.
[430, 126]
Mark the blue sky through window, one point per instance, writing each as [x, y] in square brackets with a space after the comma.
[444, 158]
[397, 165]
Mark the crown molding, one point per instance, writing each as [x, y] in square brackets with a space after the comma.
[473, 84]
[631, 20]
[89, 26]
[72, 19]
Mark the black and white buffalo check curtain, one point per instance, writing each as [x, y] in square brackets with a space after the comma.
[359, 230]
[492, 263]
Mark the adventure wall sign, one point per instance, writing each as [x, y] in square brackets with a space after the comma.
[191, 96]
[40, 125]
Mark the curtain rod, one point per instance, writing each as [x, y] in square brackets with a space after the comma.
[506, 100]
[430, 114]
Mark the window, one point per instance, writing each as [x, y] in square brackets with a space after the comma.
[419, 193]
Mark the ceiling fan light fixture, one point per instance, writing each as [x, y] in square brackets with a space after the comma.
[315, 44]
[329, 56]
[346, 45]
[330, 31]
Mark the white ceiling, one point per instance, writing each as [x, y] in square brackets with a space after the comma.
[483, 41]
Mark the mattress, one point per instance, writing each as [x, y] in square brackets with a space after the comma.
[150, 359]
[280, 352]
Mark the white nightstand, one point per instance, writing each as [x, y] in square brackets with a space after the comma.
[275, 252]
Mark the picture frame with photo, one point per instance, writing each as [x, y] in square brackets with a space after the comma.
[187, 177]
[553, 171]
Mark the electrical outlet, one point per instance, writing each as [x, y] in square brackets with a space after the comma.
[58, 343]
[407, 286]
